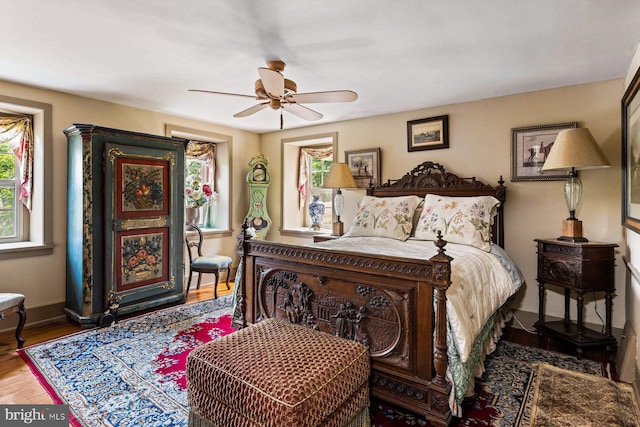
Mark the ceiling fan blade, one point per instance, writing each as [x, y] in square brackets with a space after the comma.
[302, 111]
[223, 93]
[272, 81]
[328, 96]
[251, 110]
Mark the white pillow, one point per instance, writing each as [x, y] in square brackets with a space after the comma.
[384, 217]
[464, 220]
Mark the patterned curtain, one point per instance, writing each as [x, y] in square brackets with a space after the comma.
[18, 131]
[306, 154]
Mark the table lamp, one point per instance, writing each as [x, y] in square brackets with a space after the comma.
[574, 149]
[339, 176]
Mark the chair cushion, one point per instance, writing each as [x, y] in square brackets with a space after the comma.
[10, 300]
[216, 261]
[275, 373]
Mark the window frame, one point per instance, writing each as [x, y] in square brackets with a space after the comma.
[222, 170]
[37, 227]
[293, 221]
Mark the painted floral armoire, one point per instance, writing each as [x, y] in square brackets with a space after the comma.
[125, 222]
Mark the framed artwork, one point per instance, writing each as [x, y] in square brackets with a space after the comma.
[428, 134]
[631, 155]
[142, 257]
[364, 166]
[530, 147]
[142, 187]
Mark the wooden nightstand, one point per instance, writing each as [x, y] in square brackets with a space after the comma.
[323, 237]
[581, 268]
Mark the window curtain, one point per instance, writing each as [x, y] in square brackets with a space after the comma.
[204, 151]
[306, 154]
[18, 131]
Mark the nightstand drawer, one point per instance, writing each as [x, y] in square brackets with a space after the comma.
[553, 270]
[580, 266]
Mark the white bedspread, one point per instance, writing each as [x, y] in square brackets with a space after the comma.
[480, 282]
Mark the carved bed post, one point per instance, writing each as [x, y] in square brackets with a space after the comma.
[442, 278]
[243, 238]
[501, 194]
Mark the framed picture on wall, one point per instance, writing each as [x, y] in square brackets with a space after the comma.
[530, 147]
[428, 134]
[631, 155]
[364, 166]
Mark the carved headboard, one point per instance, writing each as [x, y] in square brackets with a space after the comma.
[432, 178]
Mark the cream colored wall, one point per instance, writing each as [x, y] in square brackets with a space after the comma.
[42, 279]
[632, 253]
[480, 143]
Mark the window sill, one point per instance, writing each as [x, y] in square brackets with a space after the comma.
[24, 250]
[213, 232]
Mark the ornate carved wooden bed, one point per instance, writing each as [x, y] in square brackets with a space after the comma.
[396, 306]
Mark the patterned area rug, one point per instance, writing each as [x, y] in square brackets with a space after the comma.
[133, 372]
[566, 398]
[503, 396]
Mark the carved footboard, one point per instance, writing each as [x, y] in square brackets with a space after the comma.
[386, 303]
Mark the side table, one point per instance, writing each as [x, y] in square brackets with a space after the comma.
[579, 267]
[323, 237]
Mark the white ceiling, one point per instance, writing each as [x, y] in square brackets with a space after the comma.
[397, 55]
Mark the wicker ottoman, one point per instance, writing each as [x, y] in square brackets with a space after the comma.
[278, 374]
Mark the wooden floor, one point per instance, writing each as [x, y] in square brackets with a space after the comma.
[19, 386]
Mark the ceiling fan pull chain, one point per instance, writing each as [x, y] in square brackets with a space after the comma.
[281, 119]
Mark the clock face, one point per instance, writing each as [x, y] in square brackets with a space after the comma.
[258, 174]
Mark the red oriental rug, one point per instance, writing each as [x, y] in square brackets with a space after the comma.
[133, 373]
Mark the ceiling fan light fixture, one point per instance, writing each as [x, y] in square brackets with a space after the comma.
[275, 104]
[274, 90]
[290, 87]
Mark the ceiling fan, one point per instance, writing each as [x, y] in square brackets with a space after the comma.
[279, 93]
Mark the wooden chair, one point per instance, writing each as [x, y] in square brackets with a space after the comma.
[205, 264]
[14, 303]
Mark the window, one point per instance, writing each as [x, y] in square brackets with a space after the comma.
[208, 161]
[23, 232]
[299, 185]
[10, 205]
[318, 170]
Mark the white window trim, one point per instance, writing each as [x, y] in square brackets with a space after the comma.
[292, 218]
[223, 171]
[40, 229]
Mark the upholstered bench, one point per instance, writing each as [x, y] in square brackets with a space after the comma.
[14, 303]
[277, 374]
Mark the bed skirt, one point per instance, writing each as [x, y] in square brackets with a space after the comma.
[462, 375]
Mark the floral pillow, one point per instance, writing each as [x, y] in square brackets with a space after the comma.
[384, 217]
[464, 220]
